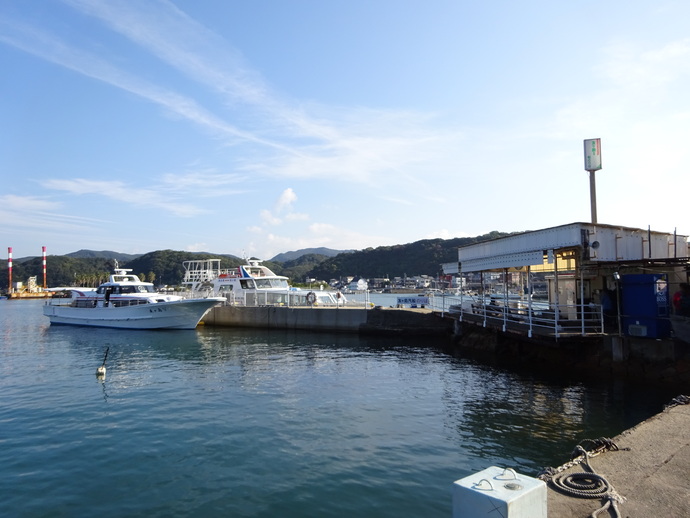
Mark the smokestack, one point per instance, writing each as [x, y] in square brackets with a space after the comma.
[44, 269]
[9, 268]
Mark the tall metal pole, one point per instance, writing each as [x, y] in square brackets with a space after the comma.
[9, 268]
[593, 195]
[593, 164]
[45, 285]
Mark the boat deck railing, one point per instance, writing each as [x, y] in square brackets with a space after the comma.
[282, 298]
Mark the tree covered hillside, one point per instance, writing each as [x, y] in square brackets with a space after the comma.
[419, 258]
[166, 265]
[161, 267]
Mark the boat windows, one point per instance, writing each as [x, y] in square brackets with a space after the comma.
[271, 283]
[247, 284]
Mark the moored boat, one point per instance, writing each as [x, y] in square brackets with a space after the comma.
[252, 284]
[126, 302]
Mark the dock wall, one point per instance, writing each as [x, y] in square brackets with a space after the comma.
[661, 361]
[347, 320]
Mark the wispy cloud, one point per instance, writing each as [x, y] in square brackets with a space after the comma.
[21, 213]
[206, 183]
[122, 193]
[367, 146]
[364, 144]
[50, 48]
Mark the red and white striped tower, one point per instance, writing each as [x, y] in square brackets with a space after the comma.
[9, 268]
[45, 285]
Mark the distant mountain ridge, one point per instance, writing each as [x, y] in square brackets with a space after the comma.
[103, 254]
[280, 258]
[291, 256]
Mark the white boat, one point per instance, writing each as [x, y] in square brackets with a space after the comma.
[252, 284]
[127, 302]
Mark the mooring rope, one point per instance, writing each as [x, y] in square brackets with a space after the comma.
[678, 400]
[586, 484]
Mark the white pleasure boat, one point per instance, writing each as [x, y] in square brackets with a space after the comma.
[127, 302]
[252, 284]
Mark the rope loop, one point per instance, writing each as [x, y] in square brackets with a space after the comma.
[678, 400]
[586, 484]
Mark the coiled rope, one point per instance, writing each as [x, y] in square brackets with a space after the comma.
[586, 484]
[678, 400]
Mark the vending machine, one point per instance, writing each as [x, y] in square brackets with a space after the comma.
[645, 305]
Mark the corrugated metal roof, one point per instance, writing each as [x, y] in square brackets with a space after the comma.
[601, 243]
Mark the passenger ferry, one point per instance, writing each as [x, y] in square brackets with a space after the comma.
[251, 284]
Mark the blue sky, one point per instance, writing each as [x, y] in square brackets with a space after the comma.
[254, 128]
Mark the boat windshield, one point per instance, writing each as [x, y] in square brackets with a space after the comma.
[116, 290]
[271, 283]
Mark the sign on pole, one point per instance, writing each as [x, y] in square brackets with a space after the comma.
[593, 154]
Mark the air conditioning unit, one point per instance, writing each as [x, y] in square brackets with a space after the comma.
[637, 330]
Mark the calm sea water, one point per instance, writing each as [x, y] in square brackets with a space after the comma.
[222, 422]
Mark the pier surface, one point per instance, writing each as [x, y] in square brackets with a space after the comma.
[376, 320]
[653, 476]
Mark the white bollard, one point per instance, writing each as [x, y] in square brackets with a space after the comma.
[499, 492]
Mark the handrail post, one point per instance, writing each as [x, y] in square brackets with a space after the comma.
[557, 311]
[529, 301]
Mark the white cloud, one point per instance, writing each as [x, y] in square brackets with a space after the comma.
[285, 201]
[268, 218]
[197, 247]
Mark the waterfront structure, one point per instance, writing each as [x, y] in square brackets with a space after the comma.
[32, 291]
[584, 279]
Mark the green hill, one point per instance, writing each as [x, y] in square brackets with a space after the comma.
[164, 267]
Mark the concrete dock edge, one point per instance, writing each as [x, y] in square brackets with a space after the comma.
[653, 475]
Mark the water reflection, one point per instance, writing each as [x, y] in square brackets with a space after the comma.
[219, 422]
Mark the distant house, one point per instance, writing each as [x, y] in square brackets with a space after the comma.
[358, 284]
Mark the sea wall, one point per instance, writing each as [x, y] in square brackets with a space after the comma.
[660, 361]
[350, 320]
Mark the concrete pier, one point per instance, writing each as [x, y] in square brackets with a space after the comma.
[653, 475]
[344, 319]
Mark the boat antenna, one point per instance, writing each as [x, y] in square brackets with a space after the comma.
[100, 371]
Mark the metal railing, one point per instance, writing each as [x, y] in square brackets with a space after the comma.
[528, 316]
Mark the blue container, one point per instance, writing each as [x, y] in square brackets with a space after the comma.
[645, 305]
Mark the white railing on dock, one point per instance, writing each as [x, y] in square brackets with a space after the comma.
[530, 316]
[515, 313]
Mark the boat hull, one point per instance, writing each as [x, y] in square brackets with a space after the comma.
[182, 314]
